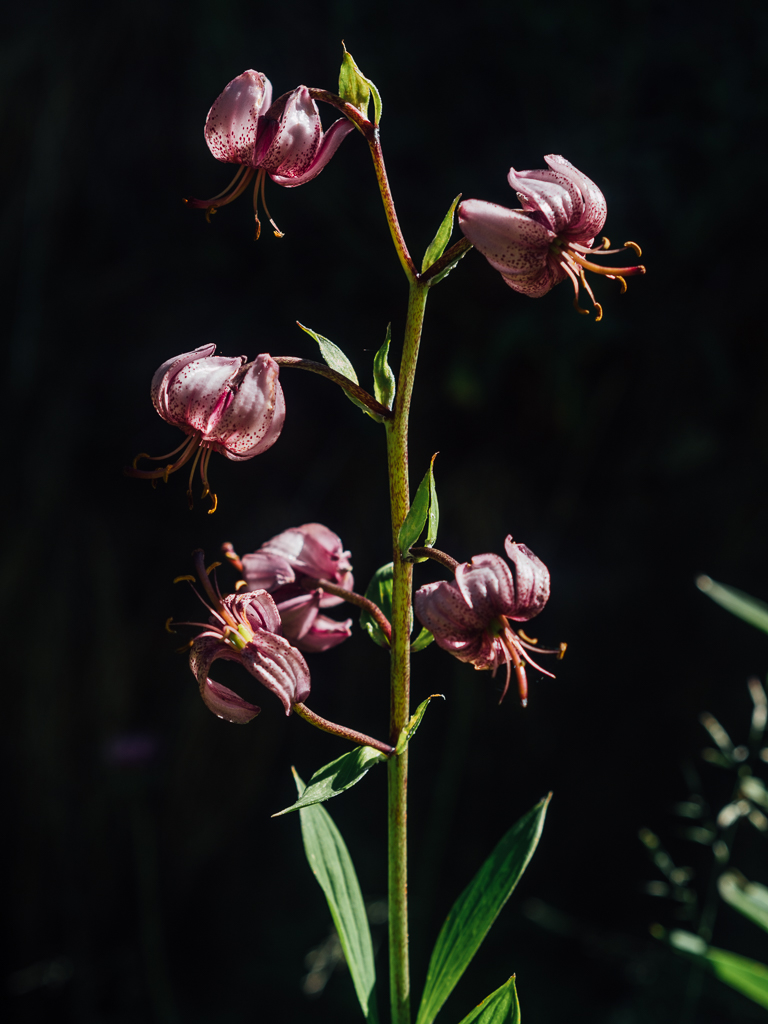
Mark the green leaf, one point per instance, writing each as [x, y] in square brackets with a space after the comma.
[439, 243]
[383, 378]
[353, 87]
[424, 639]
[332, 866]
[356, 89]
[334, 778]
[476, 909]
[335, 358]
[379, 591]
[749, 898]
[500, 1007]
[446, 271]
[747, 976]
[414, 722]
[750, 609]
[423, 512]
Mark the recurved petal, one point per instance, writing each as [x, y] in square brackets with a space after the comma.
[512, 241]
[589, 219]
[540, 191]
[279, 666]
[531, 581]
[264, 570]
[298, 136]
[256, 609]
[330, 142]
[314, 550]
[324, 633]
[198, 390]
[164, 376]
[444, 611]
[251, 422]
[539, 282]
[486, 585]
[232, 124]
[217, 698]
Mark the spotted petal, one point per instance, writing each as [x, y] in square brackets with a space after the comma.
[531, 581]
[251, 421]
[233, 122]
[590, 213]
[279, 666]
[222, 701]
[512, 241]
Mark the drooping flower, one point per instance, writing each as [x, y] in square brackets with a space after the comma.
[246, 629]
[290, 566]
[470, 616]
[284, 139]
[225, 405]
[551, 237]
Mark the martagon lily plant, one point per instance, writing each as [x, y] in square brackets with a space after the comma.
[272, 621]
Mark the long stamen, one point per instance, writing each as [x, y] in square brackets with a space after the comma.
[508, 640]
[278, 232]
[235, 188]
[605, 271]
[191, 474]
[188, 447]
[591, 294]
[575, 282]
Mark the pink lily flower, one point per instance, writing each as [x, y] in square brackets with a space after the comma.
[470, 617]
[225, 405]
[551, 237]
[290, 566]
[284, 139]
[245, 628]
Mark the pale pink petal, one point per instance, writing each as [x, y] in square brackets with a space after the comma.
[486, 585]
[312, 549]
[444, 611]
[197, 391]
[164, 376]
[251, 421]
[591, 220]
[331, 141]
[324, 633]
[511, 240]
[298, 613]
[531, 581]
[219, 699]
[540, 192]
[539, 282]
[279, 666]
[298, 138]
[266, 571]
[256, 608]
[232, 125]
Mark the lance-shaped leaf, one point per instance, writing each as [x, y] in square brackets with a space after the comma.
[379, 591]
[335, 358]
[383, 377]
[424, 639]
[747, 976]
[750, 609]
[406, 733]
[423, 512]
[749, 898]
[500, 1007]
[476, 909]
[332, 779]
[332, 866]
[356, 89]
[439, 243]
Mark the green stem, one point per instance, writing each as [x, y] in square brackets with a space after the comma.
[372, 137]
[397, 457]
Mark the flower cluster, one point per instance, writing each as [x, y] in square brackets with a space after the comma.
[225, 405]
[284, 139]
[297, 567]
[470, 615]
[550, 238]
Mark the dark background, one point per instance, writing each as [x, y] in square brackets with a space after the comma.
[630, 455]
